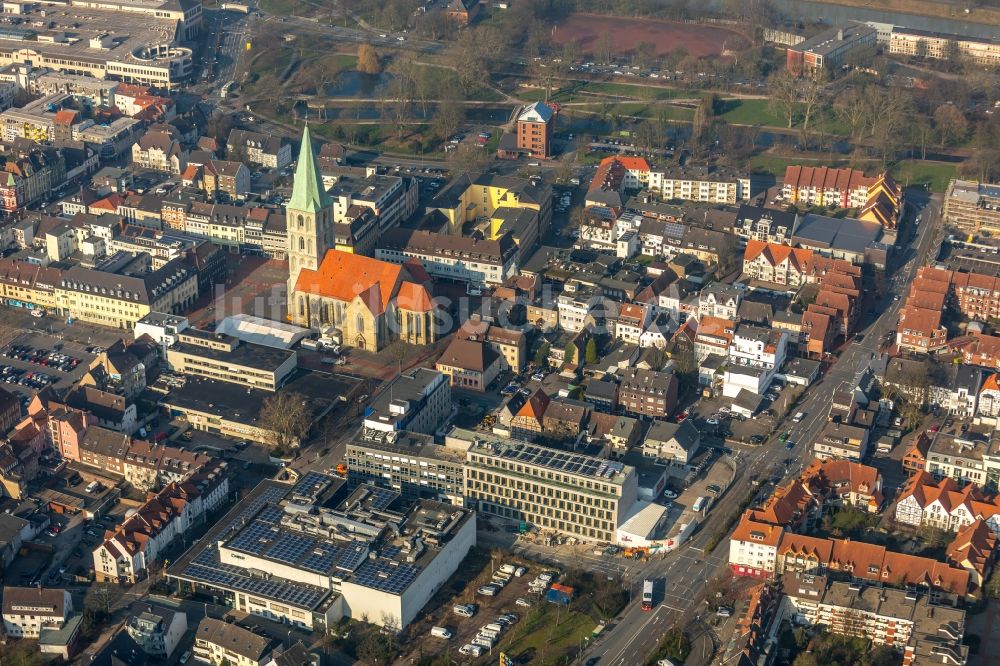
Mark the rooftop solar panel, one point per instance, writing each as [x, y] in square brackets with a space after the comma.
[386, 575]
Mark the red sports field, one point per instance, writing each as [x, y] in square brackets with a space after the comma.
[699, 40]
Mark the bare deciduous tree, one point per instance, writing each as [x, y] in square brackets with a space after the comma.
[368, 62]
[784, 88]
[285, 415]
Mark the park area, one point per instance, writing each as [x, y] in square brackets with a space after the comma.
[624, 34]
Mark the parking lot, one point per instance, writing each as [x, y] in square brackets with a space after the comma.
[35, 360]
[474, 621]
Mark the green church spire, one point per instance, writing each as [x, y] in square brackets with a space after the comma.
[308, 192]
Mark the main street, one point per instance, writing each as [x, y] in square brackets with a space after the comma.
[681, 576]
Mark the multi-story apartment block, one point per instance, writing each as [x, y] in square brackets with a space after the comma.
[223, 179]
[160, 150]
[554, 490]
[28, 177]
[28, 610]
[823, 186]
[921, 330]
[941, 46]
[758, 347]
[842, 440]
[444, 256]
[699, 183]
[753, 547]
[392, 199]
[977, 296]
[112, 299]
[648, 392]
[965, 458]
[409, 463]
[714, 336]
[631, 323]
[973, 207]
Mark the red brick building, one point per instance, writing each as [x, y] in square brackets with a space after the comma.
[535, 126]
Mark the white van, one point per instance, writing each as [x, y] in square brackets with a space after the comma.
[441, 632]
[464, 610]
[798, 417]
[507, 568]
[700, 504]
[493, 626]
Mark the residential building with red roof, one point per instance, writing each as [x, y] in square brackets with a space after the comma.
[470, 364]
[915, 460]
[529, 421]
[945, 504]
[777, 264]
[823, 186]
[128, 551]
[979, 349]
[535, 129]
[974, 549]
[920, 330]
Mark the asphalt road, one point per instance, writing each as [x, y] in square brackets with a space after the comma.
[681, 576]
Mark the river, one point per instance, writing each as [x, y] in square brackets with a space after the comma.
[833, 14]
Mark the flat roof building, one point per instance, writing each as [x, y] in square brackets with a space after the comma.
[307, 553]
[417, 400]
[409, 463]
[554, 490]
[225, 358]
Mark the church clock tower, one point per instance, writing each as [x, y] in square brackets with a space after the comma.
[309, 218]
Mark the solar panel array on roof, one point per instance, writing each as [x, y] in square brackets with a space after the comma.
[290, 547]
[386, 575]
[351, 558]
[571, 463]
[255, 538]
[312, 484]
[270, 495]
[381, 498]
[322, 558]
[302, 596]
[271, 514]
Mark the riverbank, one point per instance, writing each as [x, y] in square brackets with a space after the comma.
[989, 15]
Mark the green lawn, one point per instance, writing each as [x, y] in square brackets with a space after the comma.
[751, 112]
[280, 7]
[642, 110]
[638, 92]
[918, 172]
[774, 164]
[549, 631]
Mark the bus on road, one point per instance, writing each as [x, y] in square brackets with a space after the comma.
[647, 595]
